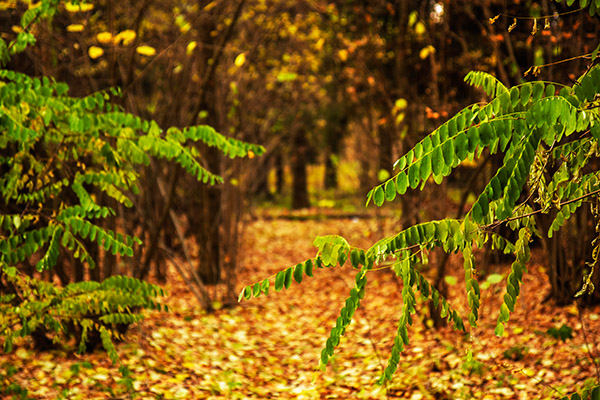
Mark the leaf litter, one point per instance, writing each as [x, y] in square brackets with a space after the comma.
[269, 347]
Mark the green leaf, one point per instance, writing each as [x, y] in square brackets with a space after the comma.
[595, 52]
[477, 213]
[425, 167]
[279, 280]
[256, 289]
[264, 287]
[401, 183]
[450, 280]
[369, 196]
[437, 162]
[525, 93]
[17, 221]
[298, 272]
[448, 152]
[308, 268]
[390, 190]
[514, 96]
[499, 331]
[538, 91]
[379, 196]
[473, 136]
[461, 145]
[485, 133]
[494, 278]
[414, 175]
[288, 277]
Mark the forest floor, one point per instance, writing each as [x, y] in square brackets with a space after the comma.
[269, 347]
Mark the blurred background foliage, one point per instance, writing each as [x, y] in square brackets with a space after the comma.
[335, 91]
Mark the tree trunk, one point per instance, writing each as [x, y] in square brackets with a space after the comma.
[279, 176]
[331, 179]
[567, 253]
[299, 174]
[210, 257]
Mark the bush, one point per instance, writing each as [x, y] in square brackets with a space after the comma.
[66, 164]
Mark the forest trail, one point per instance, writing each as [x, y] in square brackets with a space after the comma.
[269, 347]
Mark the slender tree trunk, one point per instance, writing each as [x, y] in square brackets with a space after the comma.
[299, 174]
[331, 178]
[279, 176]
[210, 258]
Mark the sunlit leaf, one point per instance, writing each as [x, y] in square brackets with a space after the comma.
[378, 196]
[81, 7]
[240, 59]
[189, 49]
[146, 50]
[75, 28]
[104, 37]
[286, 76]
[95, 52]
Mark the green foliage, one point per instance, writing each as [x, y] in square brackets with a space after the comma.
[548, 136]
[592, 393]
[8, 386]
[92, 311]
[516, 353]
[547, 139]
[65, 163]
[563, 333]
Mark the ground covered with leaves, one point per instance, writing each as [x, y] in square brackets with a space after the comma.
[269, 347]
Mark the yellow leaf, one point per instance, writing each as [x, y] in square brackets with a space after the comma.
[250, 154]
[343, 54]
[426, 51]
[95, 52]
[104, 37]
[127, 36]
[240, 60]
[146, 50]
[75, 28]
[16, 29]
[401, 104]
[70, 7]
[190, 47]
[320, 43]
[420, 28]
